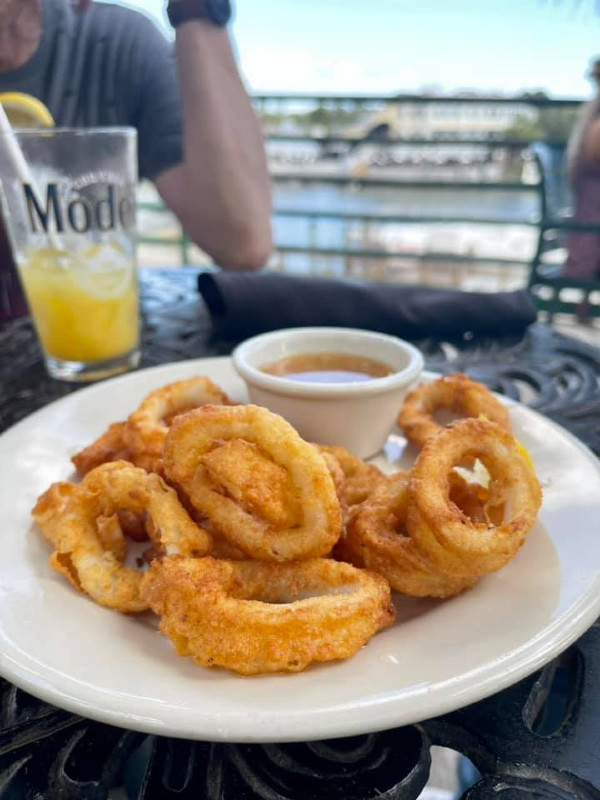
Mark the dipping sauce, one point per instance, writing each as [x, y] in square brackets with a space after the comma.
[328, 368]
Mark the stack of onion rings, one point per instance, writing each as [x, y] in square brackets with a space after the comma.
[267, 506]
[454, 393]
[259, 617]
[377, 539]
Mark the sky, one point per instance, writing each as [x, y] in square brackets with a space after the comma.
[385, 46]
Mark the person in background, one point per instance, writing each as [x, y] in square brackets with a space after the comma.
[99, 64]
[583, 170]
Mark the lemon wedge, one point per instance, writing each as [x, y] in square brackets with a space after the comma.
[25, 111]
[525, 453]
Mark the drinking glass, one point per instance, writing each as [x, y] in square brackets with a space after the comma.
[70, 215]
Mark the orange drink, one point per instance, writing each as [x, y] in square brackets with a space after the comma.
[85, 307]
[68, 199]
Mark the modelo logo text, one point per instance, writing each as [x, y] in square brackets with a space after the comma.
[107, 211]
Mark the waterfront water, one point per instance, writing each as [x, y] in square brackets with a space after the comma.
[512, 240]
[509, 241]
[511, 205]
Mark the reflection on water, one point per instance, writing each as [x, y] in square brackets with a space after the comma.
[396, 200]
[513, 240]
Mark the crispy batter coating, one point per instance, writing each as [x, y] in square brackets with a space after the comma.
[51, 508]
[456, 393]
[83, 525]
[260, 617]
[134, 526]
[447, 536]
[360, 477]
[110, 446]
[140, 439]
[378, 540]
[253, 480]
[234, 491]
[222, 549]
[147, 427]
[338, 477]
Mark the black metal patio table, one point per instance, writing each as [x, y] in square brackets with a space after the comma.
[537, 739]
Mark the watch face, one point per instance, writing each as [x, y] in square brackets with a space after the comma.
[220, 11]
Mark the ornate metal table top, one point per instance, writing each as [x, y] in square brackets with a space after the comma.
[538, 739]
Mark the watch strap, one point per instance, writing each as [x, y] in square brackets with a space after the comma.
[180, 11]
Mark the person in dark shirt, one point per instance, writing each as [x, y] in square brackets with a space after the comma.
[98, 64]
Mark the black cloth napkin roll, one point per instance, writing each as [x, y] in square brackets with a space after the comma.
[244, 304]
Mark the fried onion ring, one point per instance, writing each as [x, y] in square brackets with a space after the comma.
[147, 427]
[338, 477]
[453, 542]
[258, 617]
[377, 540]
[254, 481]
[245, 510]
[83, 525]
[140, 439]
[361, 478]
[110, 446]
[455, 393]
[258, 484]
[51, 508]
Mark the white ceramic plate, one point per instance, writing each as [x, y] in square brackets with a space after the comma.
[59, 646]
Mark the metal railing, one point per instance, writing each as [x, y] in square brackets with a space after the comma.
[361, 223]
[537, 100]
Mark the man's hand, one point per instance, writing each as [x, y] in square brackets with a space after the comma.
[81, 5]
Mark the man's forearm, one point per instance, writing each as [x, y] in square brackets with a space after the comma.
[227, 188]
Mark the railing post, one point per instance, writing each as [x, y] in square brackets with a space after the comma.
[185, 250]
[313, 232]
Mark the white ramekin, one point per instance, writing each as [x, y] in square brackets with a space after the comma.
[358, 416]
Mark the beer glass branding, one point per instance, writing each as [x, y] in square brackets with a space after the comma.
[94, 207]
[70, 216]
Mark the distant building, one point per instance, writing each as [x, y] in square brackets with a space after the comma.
[444, 119]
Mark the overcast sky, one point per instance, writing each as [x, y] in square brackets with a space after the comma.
[390, 45]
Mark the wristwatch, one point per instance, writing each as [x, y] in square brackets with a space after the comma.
[216, 11]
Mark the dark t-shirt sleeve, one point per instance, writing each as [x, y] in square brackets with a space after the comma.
[157, 105]
[108, 66]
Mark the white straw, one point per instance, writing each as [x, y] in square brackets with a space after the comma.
[20, 165]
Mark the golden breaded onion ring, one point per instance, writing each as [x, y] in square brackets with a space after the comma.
[140, 439]
[259, 617]
[338, 477]
[377, 539]
[190, 453]
[111, 446]
[90, 553]
[448, 538]
[52, 507]
[456, 393]
[119, 486]
[147, 427]
[361, 478]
